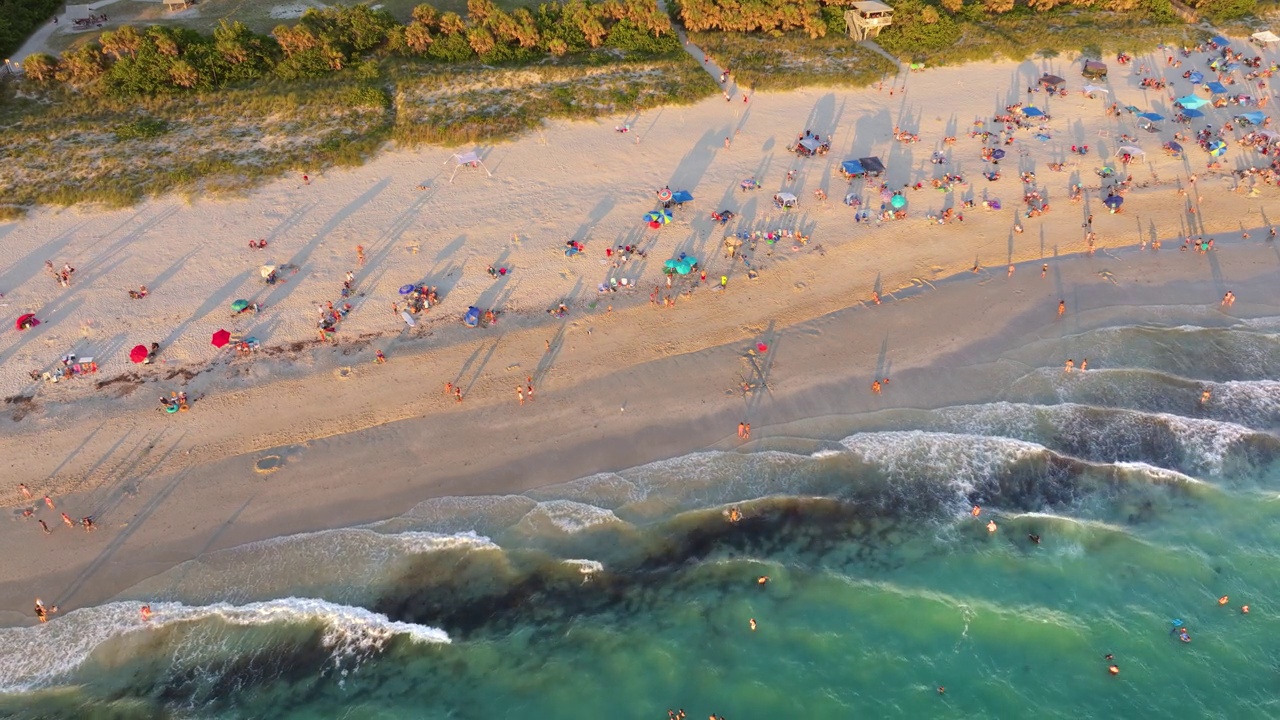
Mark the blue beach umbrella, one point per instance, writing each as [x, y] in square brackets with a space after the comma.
[1191, 102]
[1194, 114]
[898, 202]
[998, 154]
[1217, 148]
[1196, 77]
[1113, 201]
[1032, 112]
[670, 264]
[682, 196]
[1216, 88]
[852, 167]
[684, 268]
[1153, 117]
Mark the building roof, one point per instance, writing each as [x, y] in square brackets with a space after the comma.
[870, 6]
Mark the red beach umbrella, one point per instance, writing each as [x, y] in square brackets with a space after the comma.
[221, 338]
[138, 353]
[25, 321]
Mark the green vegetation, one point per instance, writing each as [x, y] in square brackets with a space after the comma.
[789, 60]
[783, 43]
[20, 18]
[141, 112]
[931, 34]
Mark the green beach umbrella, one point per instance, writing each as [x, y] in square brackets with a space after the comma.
[239, 305]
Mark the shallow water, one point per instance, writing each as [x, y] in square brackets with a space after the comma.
[625, 594]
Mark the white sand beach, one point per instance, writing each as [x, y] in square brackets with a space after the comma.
[300, 435]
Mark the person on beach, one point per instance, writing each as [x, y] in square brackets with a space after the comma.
[1084, 364]
[44, 526]
[359, 254]
[87, 523]
[746, 432]
[48, 501]
[1044, 270]
[42, 612]
[1062, 307]
[875, 387]
[457, 393]
[742, 429]
[26, 493]
[1070, 364]
[520, 395]
[379, 358]
[66, 520]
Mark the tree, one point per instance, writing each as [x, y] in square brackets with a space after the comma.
[953, 6]
[451, 24]
[997, 6]
[426, 15]
[417, 37]
[481, 40]
[41, 67]
[234, 41]
[121, 43]
[929, 16]
[479, 11]
[183, 75]
[82, 65]
[165, 40]
[527, 34]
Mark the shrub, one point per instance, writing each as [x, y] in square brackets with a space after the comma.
[143, 129]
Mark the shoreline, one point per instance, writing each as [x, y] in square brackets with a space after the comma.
[359, 443]
[327, 483]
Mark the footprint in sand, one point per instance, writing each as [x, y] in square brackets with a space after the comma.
[268, 464]
[342, 373]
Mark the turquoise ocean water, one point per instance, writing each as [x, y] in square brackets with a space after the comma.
[627, 594]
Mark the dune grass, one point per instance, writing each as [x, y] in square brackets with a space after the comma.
[1023, 33]
[67, 148]
[791, 60]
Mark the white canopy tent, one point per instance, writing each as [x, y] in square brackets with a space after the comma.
[1264, 37]
[1130, 150]
[467, 159]
[1091, 89]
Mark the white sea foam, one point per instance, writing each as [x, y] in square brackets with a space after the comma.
[964, 460]
[1159, 475]
[339, 564]
[27, 662]
[586, 567]
[568, 516]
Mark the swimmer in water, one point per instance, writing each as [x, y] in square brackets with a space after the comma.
[1114, 669]
[1108, 657]
[942, 690]
[1223, 600]
[1034, 538]
[752, 621]
[765, 578]
[1244, 609]
[146, 612]
[1183, 636]
[991, 526]
[734, 514]
[977, 510]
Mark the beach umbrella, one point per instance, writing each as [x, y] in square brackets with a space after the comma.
[1153, 117]
[1113, 201]
[998, 154]
[761, 347]
[266, 270]
[1192, 113]
[1196, 77]
[1191, 102]
[655, 224]
[1215, 87]
[664, 194]
[1173, 147]
[1032, 112]
[138, 353]
[682, 196]
[665, 217]
[684, 268]
[898, 202]
[24, 321]
[1217, 148]
[239, 305]
[406, 289]
[851, 198]
[219, 339]
[671, 264]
